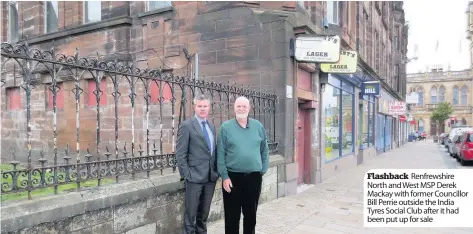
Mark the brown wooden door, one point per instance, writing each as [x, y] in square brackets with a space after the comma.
[302, 145]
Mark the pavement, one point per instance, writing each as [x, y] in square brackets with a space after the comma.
[336, 205]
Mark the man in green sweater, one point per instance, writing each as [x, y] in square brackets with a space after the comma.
[242, 160]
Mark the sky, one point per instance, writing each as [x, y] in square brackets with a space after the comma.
[439, 21]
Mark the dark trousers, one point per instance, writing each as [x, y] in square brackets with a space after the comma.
[244, 196]
[197, 202]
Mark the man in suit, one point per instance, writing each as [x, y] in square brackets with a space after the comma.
[196, 159]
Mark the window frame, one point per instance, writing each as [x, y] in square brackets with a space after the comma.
[432, 96]
[343, 86]
[85, 13]
[334, 4]
[46, 17]
[464, 96]
[420, 92]
[371, 101]
[456, 96]
[148, 5]
[441, 95]
[17, 28]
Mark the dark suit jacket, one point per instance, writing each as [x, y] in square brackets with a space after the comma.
[195, 161]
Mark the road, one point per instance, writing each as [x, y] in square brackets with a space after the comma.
[336, 205]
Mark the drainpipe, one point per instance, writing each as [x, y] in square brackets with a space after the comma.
[196, 66]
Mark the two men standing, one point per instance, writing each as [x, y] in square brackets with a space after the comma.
[241, 157]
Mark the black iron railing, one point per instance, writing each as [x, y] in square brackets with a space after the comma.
[112, 158]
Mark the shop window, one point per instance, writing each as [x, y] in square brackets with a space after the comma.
[338, 109]
[59, 97]
[331, 99]
[347, 123]
[371, 110]
[91, 86]
[364, 117]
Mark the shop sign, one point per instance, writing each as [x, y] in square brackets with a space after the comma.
[317, 49]
[370, 88]
[412, 98]
[402, 118]
[397, 108]
[347, 64]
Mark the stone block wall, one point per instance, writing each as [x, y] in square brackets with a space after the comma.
[236, 43]
[152, 205]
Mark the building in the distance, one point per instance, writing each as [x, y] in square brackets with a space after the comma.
[469, 29]
[441, 86]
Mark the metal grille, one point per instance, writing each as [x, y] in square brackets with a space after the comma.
[114, 158]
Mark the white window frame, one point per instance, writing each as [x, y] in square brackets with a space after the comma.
[46, 16]
[148, 8]
[10, 26]
[84, 15]
[333, 6]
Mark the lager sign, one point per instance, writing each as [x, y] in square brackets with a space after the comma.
[317, 49]
[347, 63]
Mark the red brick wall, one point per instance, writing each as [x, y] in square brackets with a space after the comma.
[234, 45]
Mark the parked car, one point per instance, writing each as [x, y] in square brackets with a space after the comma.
[454, 132]
[445, 140]
[457, 144]
[451, 144]
[466, 148]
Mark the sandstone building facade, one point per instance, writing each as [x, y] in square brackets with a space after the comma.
[247, 43]
[441, 86]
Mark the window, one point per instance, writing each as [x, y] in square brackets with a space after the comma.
[153, 5]
[442, 94]
[14, 100]
[59, 97]
[463, 96]
[338, 109]
[333, 10]
[51, 16]
[433, 95]
[366, 138]
[332, 115]
[347, 122]
[421, 96]
[92, 98]
[154, 92]
[455, 96]
[13, 22]
[371, 110]
[92, 11]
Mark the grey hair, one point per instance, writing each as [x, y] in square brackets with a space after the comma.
[201, 97]
[243, 98]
